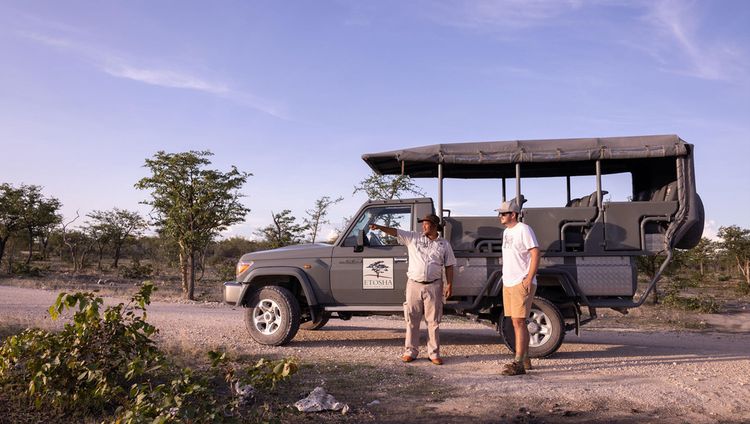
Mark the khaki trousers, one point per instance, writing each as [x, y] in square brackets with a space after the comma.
[423, 300]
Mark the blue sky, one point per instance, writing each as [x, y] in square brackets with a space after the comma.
[294, 92]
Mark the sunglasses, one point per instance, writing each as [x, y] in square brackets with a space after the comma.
[504, 213]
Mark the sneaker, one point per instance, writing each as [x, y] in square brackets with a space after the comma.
[407, 358]
[437, 361]
[527, 364]
[513, 368]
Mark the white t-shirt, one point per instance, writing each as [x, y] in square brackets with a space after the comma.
[516, 257]
[426, 257]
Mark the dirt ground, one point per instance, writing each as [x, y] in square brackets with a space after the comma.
[644, 367]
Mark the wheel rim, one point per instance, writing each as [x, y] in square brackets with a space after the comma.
[267, 317]
[540, 328]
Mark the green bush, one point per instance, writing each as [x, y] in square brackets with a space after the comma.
[681, 282]
[105, 364]
[137, 271]
[28, 270]
[708, 305]
[224, 254]
[83, 368]
[723, 278]
[263, 374]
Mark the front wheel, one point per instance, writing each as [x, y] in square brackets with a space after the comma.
[546, 329]
[272, 316]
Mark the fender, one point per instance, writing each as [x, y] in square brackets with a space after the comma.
[286, 271]
[563, 278]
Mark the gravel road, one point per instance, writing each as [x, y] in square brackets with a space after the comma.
[606, 374]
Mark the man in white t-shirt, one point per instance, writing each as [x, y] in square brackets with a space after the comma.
[520, 263]
[428, 255]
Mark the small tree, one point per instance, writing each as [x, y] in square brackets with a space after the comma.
[25, 208]
[100, 238]
[115, 227]
[284, 231]
[192, 204]
[47, 233]
[316, 217]
[703, 253]
[37, 213]
[79, 244]
[387, 187]
[340, 228]
[11, 212]
[736, 242]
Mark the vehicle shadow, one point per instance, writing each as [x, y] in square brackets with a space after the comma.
[368, 337]
[595, 350]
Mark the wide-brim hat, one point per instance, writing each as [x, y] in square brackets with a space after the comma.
[432, 218]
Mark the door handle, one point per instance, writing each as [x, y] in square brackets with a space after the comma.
[350, 261]
[397, 260]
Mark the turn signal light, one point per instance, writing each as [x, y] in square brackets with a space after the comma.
[243, 266]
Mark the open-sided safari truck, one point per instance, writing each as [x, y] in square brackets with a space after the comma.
[589, 246]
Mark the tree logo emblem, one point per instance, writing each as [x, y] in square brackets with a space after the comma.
[378, 267]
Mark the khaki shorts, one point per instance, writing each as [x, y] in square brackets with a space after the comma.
[517, 301]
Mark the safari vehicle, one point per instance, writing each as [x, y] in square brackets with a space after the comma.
[589, 244]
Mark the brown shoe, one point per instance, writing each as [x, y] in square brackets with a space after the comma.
[407, 358]
[527, 364]
[513, 368]
[437, 361]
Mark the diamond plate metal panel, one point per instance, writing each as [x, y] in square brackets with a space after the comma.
[606, 275]
[656, 242]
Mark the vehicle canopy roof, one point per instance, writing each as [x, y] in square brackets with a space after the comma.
[541, 158]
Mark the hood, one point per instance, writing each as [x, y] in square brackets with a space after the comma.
[299, 251]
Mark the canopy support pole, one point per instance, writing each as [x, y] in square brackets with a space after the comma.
[519, 202]
[599, 184]
[440, 191]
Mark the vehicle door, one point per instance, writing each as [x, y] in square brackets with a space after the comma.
[373, 273]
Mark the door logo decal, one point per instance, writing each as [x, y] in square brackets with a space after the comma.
[377, 273]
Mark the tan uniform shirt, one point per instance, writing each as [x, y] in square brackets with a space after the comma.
[426, 257]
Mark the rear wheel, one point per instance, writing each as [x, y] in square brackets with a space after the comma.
[272, 316]
[311, 325]
[546, 329]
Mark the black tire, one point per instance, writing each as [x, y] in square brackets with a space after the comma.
[272, 316]
[547, 329]
[312, 326]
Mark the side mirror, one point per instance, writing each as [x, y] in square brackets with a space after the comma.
[360, 241]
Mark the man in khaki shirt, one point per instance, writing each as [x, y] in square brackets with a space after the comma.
[428, 255]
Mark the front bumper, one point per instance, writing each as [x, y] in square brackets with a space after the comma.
[232, 292]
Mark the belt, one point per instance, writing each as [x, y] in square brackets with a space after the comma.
[427, 282]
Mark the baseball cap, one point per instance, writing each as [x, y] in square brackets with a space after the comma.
[508, 207]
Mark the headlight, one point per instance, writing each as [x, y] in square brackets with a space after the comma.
[243, 266]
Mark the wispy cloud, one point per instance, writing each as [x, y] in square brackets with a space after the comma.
[50, 41]
[672, 32]
[165, 78]
[116, 65]
[678, 43]
[498, 15]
